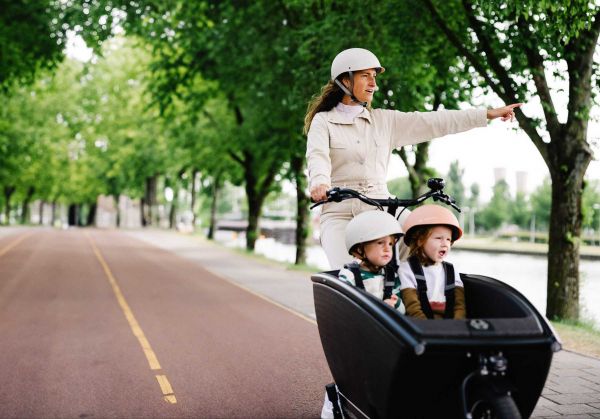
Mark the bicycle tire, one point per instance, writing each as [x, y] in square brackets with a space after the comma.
[504, 407]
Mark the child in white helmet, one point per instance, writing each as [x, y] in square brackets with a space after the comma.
[370, 238]
[431, 288]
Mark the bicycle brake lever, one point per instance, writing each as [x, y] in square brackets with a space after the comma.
[447, 200]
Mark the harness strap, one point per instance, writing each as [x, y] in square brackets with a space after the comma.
[449, 290]
[354, 268]
[417, 270]
[390, 275]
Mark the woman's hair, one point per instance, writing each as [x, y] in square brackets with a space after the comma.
[419, 237]
[330, 95]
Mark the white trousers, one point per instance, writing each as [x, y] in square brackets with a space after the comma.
[335, 216]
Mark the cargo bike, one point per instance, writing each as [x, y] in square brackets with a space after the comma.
[493, 364]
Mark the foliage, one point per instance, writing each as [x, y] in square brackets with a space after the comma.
[541, 204]
[497, 210]
[31, 40]
[519, 211]
[515, 49]
[400, 187]
[454, 183]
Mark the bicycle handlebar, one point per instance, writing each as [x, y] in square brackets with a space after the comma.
[436, 192]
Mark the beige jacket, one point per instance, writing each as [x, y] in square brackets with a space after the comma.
[356, 154]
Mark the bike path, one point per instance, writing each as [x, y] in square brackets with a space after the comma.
[66, 348]
[573, 387]
[97, 324]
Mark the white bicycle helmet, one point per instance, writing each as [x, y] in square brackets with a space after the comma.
[370, 225]
[354, 59]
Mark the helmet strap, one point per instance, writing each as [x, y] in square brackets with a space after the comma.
[360, 251]
[351, 91]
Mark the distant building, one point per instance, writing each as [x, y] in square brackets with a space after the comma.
[499, 174]
[522, 182]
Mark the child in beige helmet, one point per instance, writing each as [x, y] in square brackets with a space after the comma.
[431, 288]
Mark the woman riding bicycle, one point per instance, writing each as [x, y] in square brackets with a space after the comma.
[349, 143]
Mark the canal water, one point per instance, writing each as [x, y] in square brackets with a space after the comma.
[523, 272]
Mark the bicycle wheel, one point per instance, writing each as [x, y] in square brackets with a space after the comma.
[504, 407]
[496, 407]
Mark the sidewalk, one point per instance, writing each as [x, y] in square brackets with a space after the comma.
[573, 386]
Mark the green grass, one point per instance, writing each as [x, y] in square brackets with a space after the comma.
[579, 336]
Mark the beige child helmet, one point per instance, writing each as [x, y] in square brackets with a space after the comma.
[354, 59]
[428, 215]
[370, 225]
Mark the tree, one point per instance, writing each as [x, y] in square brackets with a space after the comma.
[497, 210]
[454, 184]
[520, 211]
[513, 48]
[30, 40]
[400, 187]
[591, 200]
[541, 204]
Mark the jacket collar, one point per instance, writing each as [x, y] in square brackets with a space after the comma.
[336, 117]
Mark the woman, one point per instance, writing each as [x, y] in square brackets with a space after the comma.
[349, 144]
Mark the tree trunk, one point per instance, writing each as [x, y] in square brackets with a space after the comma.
[53, 216]
[254, 209]
[256, 193]
[152, 214]
[213, 207]
[143, 212]
[118, 218]
[73, 214]
[193, 203]
[567, 172]
[25, 206]
[173, 215]
[91, 216]
[41, 213]
[302, 203]
[8, 191]
[418, 173]
[150, 200]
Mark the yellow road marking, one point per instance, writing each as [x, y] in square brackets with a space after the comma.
[166, 389]
[14, 243]
[135, 327]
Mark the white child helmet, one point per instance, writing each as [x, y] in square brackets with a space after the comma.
[354, 59]
[370, 225]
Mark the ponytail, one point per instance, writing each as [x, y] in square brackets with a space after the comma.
[330, 95]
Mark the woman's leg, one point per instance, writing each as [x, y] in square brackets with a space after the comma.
[333, 241]
[334, 219]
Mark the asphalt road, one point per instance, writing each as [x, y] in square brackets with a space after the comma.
[98, 324]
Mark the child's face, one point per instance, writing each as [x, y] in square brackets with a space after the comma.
[438, 243]
[379, 252]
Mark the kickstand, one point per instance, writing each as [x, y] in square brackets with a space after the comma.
[333, 398]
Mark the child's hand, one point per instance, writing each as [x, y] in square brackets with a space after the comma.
[391, 301]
